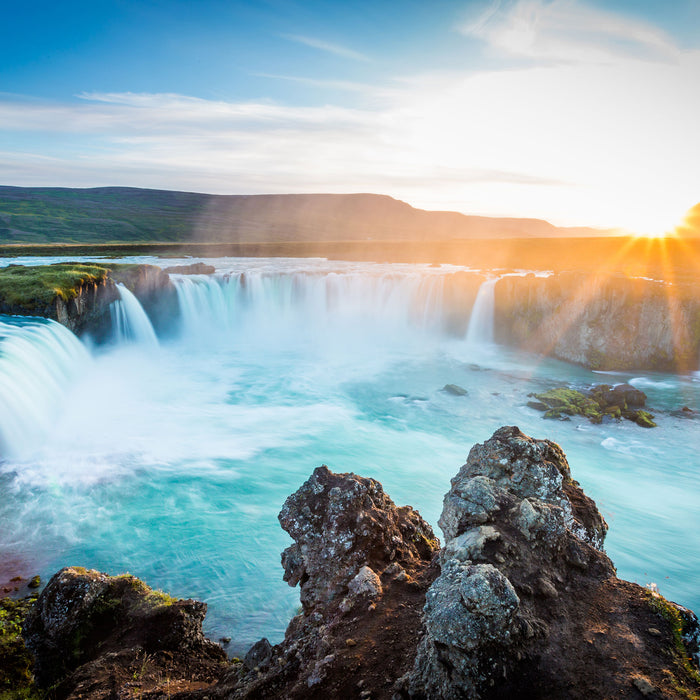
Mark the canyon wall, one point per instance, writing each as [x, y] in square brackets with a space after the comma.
[605, 323]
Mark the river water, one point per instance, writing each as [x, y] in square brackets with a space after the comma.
[170, 458]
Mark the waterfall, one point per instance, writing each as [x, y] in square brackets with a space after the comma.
[480, 329]
[302, 302]
[130, 322]
[38, 361]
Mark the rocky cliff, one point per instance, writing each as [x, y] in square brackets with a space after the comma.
[78, 295]
[602, 322]
[520, 602]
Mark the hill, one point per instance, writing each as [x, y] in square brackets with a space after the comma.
[125, 214]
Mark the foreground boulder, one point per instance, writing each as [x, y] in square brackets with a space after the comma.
[363, 565]
[99, 636]
[527, 604]
[521, 602]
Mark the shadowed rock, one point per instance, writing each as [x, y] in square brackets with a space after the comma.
[527, 604]
[85, 622]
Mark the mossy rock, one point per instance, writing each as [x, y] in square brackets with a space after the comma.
[562, 402]
[681, 622]
[642, 418]
[16, 663]
[39, 286]
[36, 288]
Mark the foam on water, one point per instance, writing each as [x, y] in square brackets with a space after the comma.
[172, 461]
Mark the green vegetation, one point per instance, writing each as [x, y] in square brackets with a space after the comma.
[678, 626]
[599, 402]
[45, 214]
[16, 680]
[562, 403]
[36, 288]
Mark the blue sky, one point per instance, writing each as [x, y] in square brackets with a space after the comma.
[578, 111]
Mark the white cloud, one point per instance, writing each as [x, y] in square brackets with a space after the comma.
[611, 143]
[328, 47]
[566, 30]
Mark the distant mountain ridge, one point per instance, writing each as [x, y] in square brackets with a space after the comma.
[126, 214]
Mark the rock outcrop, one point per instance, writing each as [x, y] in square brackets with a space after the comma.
[527, 604]
[198, 268]
[600, 403]
[78, 295]
[363, 566]
[602, 322]
[100, 636]
[521, 602]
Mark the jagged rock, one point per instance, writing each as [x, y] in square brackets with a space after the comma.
[85, 621]
[259, 655]
[527, 603]
[198, 268]
[346, 531]
[522, 602]
[340, 524]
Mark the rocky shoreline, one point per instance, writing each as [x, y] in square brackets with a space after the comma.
[521, 601]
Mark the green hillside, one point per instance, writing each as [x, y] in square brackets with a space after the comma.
[131, 215]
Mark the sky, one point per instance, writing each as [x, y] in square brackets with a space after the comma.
[581, 112]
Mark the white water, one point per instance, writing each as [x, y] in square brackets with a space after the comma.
[38, 361]
[480, 330]
[172, 462]
[130, 322]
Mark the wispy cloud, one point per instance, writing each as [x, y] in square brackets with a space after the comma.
[320, 83]
[565, 30]
[327, 46]
[609, 142]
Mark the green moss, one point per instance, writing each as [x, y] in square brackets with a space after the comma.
[36, 287]
[16, 664]
[641, 418]
[678, 628]
[563, 402]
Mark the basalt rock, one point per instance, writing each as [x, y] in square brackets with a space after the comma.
[198, 268]
[602, 321]
[363, 565]
[345, 526]
[89, 631]
[522, 602]
[527, 604]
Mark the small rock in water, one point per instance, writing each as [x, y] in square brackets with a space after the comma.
[455, 390]
[34, 582]
[259, 655]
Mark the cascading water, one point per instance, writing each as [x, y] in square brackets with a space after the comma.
[38, 360]
[173, 465]
[130, 322]
[480, 329]
[310, 307]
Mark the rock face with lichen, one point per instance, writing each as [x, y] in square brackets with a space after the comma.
[361, 562]
[85, 622]
[346, 532]
[527, 604]
[521, 602]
